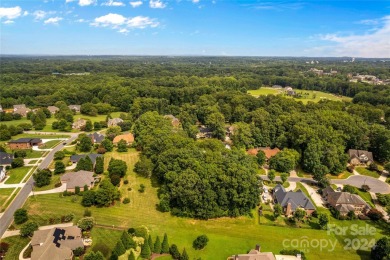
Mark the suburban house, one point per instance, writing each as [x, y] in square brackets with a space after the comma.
[289, 91]
[75, 108]
[56, 243]
[254, 254]
[292, 200]
[78, 179]
[76, 157]
[129, 138]
[24, 143]
[174, 120]
[96, 137]
[79, 123]
[2, 173]
[6, 158]
[345, 202]
[21, 109]
[267, 151]
[357, 157]
[204, 132]
[53, 109]
[114, 121]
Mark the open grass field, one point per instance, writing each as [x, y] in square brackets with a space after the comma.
[367, 172]
[16, 243]
[16, 175]
[227, 236]
[4, 194]
[307, 95]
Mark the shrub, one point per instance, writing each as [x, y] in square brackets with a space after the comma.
[141, 188]
[69, 217]
[78, 251]
[174, 251]
[17, 162]
[200, 242]
[87, 213]
[28, 229]
[20, 216]
[58, 184]
[20, 154]
[375, 214]
[77, 190]
[126, 201]
[3, 248]
[126, 182]
[350, 189]
[86, 223]
[59, 155]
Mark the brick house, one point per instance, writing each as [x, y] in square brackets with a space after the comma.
[292, 200]
[24, 143]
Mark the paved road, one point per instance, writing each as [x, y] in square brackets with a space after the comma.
[375, 185]
[7, 217]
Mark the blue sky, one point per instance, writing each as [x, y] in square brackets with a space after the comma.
[196, 27]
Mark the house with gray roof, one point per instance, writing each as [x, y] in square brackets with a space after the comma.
[6, 158]
[344, 202]
[292, 200]
[96, 137]
[56, 243]
[114, 121]
[76, 157]
[75, 108]
[21, 109]
[78, 179]
[53, 109]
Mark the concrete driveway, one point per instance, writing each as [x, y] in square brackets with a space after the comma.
[317, 199]
[357, 181]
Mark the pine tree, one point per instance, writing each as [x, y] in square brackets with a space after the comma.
[165, 245]
[157, 246]
[184, 255]
[119, 248]
[133, 244]
[125, 238]
[150, 242]
[131, 256]
[88, 164]
[114, 256]
[145, 250]
[99, 165]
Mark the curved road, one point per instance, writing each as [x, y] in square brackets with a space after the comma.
[376, 185]
[20, 199]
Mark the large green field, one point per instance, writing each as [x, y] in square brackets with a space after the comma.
[307, 95]
[227, 236]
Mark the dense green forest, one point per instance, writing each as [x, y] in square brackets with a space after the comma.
[203, 179]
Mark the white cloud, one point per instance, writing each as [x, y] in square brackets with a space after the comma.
[11, 12]
[39, 15]
[86, 2]
[69, 1]
[136, 4]
[374, 43]
[25, 13]
[123, 24]
[113, 3]
[195, 1]
[8, 22]
[80, 20]
[157, 4]
[52, 20]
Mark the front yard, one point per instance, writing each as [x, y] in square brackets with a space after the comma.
[367, 172]
[16, 175]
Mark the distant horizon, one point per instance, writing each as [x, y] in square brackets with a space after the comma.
[247, 28]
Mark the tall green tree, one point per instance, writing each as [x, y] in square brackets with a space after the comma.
[157, 246]
[165, 245]
[145, 250]
[99, 165]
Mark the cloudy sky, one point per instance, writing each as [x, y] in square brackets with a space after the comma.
[196, 27]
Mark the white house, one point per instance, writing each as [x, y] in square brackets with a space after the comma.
[2, 173]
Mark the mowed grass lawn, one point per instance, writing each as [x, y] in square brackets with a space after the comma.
[4, 194]
[16, 175]
[227, 236]
[17, 243]
[307, 95]
[366, 172]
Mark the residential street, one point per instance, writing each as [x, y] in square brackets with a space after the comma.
[7, 218]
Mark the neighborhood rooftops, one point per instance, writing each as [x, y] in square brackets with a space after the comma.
[361, 155]
[6, 158]
[78, 179]
[56, 243]
[76, 157]
[32, 141]
[96, 137]
[297, 199]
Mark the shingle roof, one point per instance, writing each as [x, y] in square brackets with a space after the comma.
[78, 179]
[6, 158]
[56, 243]
[270, 152]
[345, 198]
[362, 155]
[98, 138]
[26, 140]
[76, 157]
[297, 199]
[129, 138]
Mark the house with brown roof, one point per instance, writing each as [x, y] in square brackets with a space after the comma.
[21, 109]
[114, 121]
[357, 157]
[129, 138]
[254, 254]
[79, 123]
[75, 108]
[56, 243]
[78, 179]
[267, 151]
[174, 120]
[24, 143]
[345, 202]
[53, 109]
